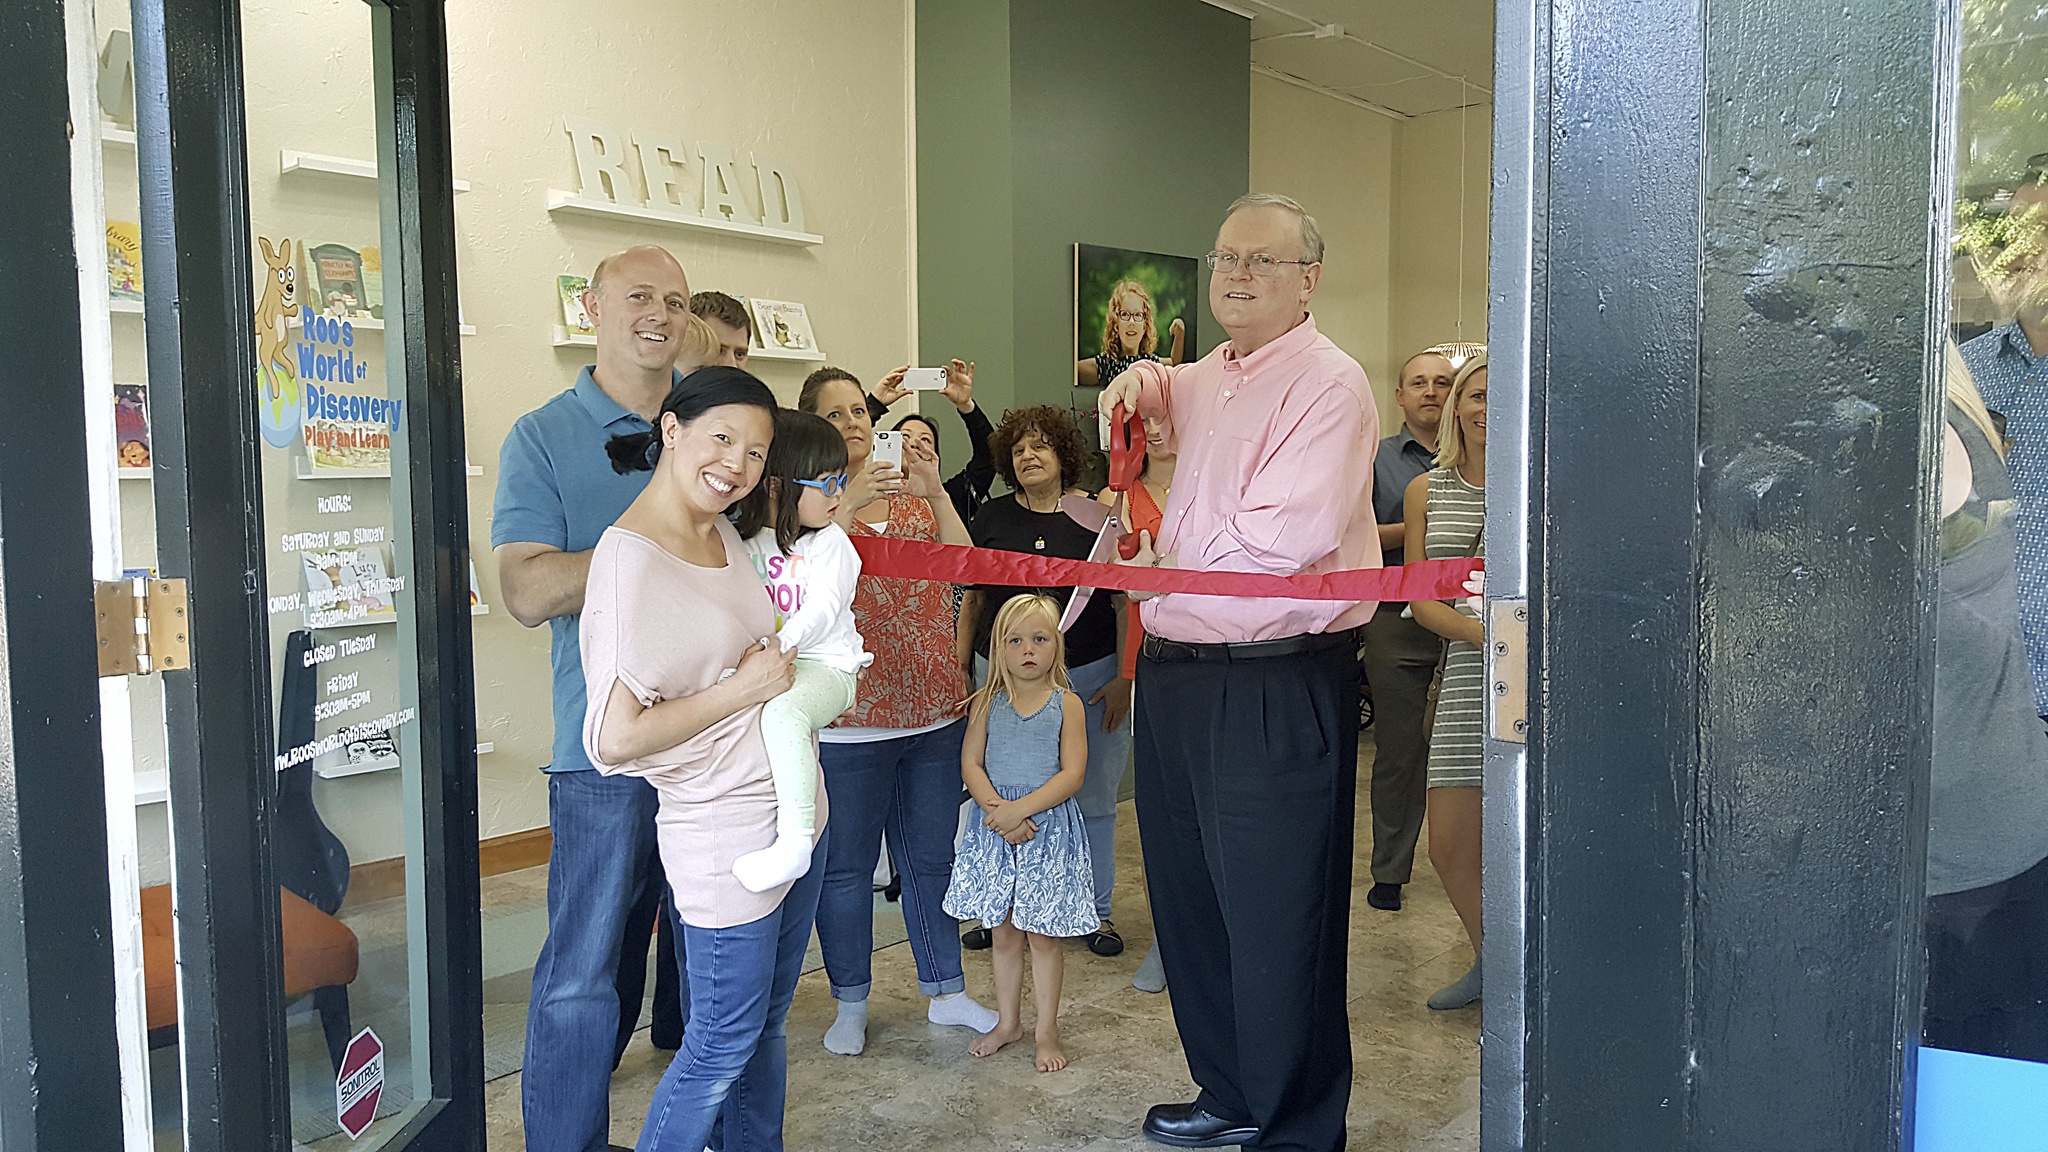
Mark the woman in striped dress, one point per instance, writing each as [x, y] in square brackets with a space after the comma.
[1447, 511]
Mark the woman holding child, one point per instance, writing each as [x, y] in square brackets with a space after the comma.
[687, 717]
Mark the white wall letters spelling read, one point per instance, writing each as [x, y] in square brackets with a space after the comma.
[672, 179]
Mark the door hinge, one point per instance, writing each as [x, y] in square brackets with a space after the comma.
[1507, 670]
[142, 626]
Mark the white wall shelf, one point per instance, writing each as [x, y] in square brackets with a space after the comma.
[306, 471]
[479, 609]
[135, 473]
[785, 354]
[364, 323]
[292, 161]
[575, 204]
[357, 768]
[112, 135]
[152, 788]
[373, 324]
[567, 339]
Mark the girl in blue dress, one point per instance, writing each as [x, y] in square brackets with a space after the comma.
[1024, 869]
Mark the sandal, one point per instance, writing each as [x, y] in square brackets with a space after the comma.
[976, 939]
[1105, 941]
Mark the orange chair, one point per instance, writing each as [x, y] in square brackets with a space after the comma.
[320, 957]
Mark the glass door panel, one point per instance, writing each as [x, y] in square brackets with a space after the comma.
[353, 864]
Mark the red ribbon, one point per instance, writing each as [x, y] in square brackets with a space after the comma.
[919, 560]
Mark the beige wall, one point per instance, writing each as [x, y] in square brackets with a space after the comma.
[1338, 160]
[1391, 197]
[1442, 183]
[820, 84]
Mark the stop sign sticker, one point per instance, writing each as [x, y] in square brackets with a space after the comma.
[360, 1083]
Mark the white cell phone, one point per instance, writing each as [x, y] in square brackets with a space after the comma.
[925, 379]
[889, 449]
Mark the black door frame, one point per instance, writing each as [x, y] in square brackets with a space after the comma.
[56, 969]
[61, 1088]
[1718, 282]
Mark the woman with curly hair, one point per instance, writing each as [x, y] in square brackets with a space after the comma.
[1039, 452]
[1130, 333]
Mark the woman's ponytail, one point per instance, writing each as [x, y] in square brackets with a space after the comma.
[634, 451]
[692, 396]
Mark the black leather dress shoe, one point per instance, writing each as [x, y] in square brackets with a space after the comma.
[1188, 1126]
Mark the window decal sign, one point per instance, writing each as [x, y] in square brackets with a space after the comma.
[359, 1083]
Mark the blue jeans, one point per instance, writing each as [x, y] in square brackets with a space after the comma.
[1109, 753]
[910, 788]
[734, 1062]
[604, 859]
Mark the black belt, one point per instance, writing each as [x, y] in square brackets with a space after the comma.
[1159, 648]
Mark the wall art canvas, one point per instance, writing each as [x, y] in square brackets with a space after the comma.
[1131, 306]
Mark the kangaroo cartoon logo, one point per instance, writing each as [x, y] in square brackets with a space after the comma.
[278, 395]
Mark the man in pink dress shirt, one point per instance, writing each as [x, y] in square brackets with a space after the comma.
[1247, 709]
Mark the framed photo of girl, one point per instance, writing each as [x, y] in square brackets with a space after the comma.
[1131, 306]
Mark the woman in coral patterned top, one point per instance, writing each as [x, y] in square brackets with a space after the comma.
[892, 763]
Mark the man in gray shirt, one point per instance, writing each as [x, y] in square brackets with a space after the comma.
[1400, 655]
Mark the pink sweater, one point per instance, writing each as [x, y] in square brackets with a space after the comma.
[666, 629]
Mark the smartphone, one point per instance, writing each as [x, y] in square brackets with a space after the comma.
[925, 379]
[888, 448]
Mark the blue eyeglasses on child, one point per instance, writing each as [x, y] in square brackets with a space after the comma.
[830, 485]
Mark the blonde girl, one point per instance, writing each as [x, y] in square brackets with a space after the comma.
[1024, 869]
[1130, 333]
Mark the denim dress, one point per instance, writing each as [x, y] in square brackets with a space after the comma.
[1046, 884]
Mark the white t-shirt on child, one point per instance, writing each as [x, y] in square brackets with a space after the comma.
[812, 590]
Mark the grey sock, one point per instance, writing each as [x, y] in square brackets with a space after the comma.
[1457, 995]
[848, 1035]
[1151, 976]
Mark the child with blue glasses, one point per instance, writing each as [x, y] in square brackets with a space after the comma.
[809, 566]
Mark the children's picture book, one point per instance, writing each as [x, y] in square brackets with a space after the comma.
[131, 424]
[124, 259]
[353, 445]
[373, 281]
[335, 273]
[476, 596]
[783, 325]
[575, 320]
[346, 587]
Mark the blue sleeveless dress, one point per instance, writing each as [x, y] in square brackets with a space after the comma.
[1045, 885]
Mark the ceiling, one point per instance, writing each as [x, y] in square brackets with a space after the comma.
[1403, 56]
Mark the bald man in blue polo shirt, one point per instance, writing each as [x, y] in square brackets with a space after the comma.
[557, 494]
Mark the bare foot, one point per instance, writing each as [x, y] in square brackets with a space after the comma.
[1051, 1057]
[991, 1043]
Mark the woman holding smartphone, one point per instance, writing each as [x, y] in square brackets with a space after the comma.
[892, 762]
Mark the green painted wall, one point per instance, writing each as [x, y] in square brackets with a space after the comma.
[964, 264]
[1042, 123]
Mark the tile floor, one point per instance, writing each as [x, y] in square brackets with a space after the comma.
[1415, 1088]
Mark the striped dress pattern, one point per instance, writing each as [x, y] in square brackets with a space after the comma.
[1457, 518]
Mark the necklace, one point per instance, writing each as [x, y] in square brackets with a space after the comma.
[1024, 498]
